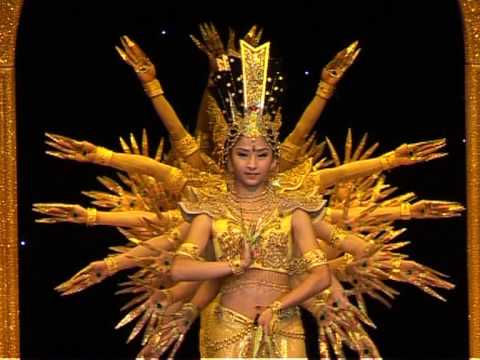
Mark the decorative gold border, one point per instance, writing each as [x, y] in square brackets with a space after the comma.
[9, 311]
[9, 305]
[471, 25]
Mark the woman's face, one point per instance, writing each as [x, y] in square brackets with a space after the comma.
[251, 159]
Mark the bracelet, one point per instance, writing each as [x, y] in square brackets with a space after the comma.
[103, 156]
[336, 237]
[91, 217]
[186, 146]
[325, 90]
[236, 267]
[153, 88]
[112, 265]
[169, 296]
[405, 211]
[276, 307]
[314, 258]
[387, 162]
[174, 181]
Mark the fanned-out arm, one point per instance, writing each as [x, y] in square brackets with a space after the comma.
[206, 293]
[183, 142]
[406, 154]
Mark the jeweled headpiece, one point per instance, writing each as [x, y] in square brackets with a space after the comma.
[248, 92]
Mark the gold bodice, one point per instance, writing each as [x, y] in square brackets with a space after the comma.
[272, 249]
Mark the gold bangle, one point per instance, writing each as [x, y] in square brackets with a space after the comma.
[387, 162]
[175, 181]
[336, 237]
[112, 265]
[236, 267]
[91, 217]
[405, 211]
[314, 258]
[325, 90]
[153, 88]
[185, 146]
[103, 156]
[276, 307]
[169, 296]
[289, 151]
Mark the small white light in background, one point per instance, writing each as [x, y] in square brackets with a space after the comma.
[23, 243]
[464, 141]
[307, 72]
[164, 32]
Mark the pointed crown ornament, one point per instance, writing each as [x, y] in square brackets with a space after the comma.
[248, 91]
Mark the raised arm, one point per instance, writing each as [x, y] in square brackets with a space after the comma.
[186, 146]
[331, 75]
[189, 264]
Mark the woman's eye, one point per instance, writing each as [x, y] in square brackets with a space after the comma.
[264, 155]
[242, 155]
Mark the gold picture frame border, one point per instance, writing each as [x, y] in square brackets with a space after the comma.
[9, 283]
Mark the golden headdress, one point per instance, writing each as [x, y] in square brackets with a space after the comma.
[248, 91]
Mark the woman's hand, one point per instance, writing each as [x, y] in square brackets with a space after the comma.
[433, 209]
[70, 149]
[134, 56]
[95, 272]
[246, 257]
[333, 72]
[170, 333]
[408, 154]
[267, 321]
[61, 213]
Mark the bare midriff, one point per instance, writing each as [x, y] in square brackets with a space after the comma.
[250, 293]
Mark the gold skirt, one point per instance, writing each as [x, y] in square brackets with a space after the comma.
[225, 333]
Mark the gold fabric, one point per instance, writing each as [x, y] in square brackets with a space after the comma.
[227, 334]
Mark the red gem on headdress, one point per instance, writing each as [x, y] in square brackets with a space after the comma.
[254, 108]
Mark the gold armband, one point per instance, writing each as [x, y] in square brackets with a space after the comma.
[91, 217]
[325, 90]
[189, 250]
[236, 267]
[153, 88]
[169, 296]
[185, 146]
[314, 258]
[174, 181]
[112, 265]
[405, 211]
[289, 151]
[336, 237]
[327, 216]
[103, 156]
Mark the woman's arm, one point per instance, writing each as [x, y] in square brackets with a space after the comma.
[189, 267]
[206, 293]
[406, 154]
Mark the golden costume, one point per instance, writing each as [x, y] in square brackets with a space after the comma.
[148, 202]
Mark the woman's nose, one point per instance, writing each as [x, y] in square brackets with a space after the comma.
[252, 162]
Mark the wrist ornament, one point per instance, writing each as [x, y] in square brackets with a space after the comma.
[405, 211]
[103, 156]
[91, 217]
[153, 88]
[112, 265]
[275, 307]
[387, 161]
[336, 237]
[236, 266]
[325, 90]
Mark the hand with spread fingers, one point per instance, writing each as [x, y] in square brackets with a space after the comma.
[61, 213]
[171, 333]
[434, 209]
[132, 54]
[336, 68]
[408, 154]
[153, 305]
[70, 149]
[94, 273]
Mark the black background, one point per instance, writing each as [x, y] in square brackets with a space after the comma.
[407, 85]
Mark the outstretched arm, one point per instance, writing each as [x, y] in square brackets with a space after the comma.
[406, 154]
